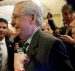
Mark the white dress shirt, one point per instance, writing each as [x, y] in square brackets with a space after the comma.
[29, 39]
[4, 54]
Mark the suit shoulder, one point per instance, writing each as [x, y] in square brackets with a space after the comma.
[48, 37]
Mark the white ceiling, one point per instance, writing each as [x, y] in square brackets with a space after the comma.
[10, 2]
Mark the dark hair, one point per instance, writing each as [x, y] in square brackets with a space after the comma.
[3, 20]
[49, 15]
[72, 4]
[66, 6]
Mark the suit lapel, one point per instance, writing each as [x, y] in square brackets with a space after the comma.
[10, 54]
[33, 45]
[8, 43]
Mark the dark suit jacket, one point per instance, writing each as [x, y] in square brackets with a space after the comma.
[47, 53]
[10, 55]
[71, 52]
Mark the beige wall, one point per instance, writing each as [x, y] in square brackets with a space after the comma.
[54, 6]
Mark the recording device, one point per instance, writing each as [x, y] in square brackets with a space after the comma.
[22, 48]
[56, 35]
[17, 48]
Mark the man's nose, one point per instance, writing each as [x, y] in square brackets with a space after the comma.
[69, 16]
[13, 22]
[1, 29]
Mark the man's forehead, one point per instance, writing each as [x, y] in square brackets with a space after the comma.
[3, 24]
[18, 10]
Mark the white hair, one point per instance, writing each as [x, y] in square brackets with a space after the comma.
[32, 8]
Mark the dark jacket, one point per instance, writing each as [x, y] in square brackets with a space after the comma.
[47, 53]
[10, 55]
[52, 25]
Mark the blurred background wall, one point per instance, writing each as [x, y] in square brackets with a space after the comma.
[53, 6]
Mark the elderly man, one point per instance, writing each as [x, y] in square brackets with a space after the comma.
[45, 52]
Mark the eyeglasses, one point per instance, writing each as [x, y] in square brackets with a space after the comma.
[17, 16]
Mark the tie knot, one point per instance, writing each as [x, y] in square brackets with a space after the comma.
[26, 44]
[24, 47]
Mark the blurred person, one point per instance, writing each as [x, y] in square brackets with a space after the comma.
[46, 28]
[67, 32]
[52, 25]
[72, 4]
[5, 46]
[51, 22]
[45, 52]
[68, 17]
[67, 14]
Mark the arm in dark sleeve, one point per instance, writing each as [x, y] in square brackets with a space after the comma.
[59, 58]
[52, 24]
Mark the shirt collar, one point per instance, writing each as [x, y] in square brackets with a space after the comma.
[3, 41]
[29, 40]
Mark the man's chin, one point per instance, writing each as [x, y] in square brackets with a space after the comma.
[1, 37]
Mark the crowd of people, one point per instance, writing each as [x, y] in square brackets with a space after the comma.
[34, 47]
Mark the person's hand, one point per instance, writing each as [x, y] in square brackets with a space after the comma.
[19, 60]
[66, 39]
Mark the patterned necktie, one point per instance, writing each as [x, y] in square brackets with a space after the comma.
[24, 47]
[0, 58]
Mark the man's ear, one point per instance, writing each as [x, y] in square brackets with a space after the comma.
[33, 17]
